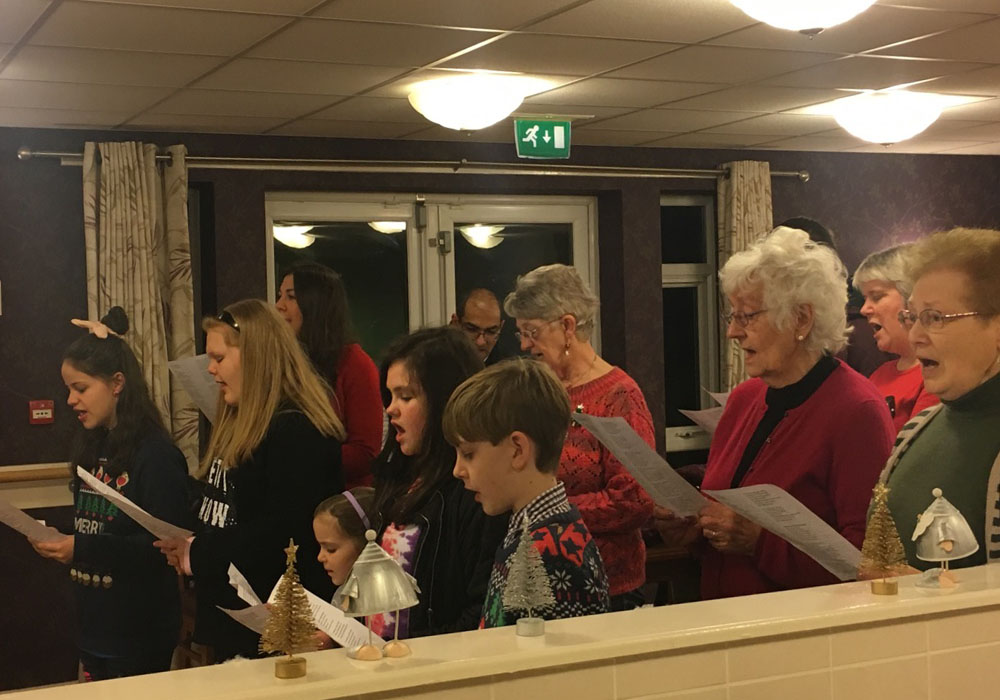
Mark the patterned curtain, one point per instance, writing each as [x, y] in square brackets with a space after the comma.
[744, 214]
[139, 257]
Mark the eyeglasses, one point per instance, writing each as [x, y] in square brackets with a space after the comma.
[228, 319]
[742, 319]
[931, 319]
[474, 331]
[532, 333]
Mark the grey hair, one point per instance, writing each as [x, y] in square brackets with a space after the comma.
[887, 265]
[791, 271]
[551, 291]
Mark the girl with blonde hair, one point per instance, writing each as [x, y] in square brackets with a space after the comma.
[274, 455]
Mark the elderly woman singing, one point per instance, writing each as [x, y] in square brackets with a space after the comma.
[804, 421]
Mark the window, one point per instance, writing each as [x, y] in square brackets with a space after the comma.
[690, 314]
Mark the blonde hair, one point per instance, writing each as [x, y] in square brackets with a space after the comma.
[887, 265]
[274, 370]
[975, 252]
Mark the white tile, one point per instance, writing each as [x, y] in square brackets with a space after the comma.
[878, 642]
[404, 85]
[983, 81]
[964, 674]
[18, 16]
[777, 658]
[868, 73]
[775, 125]
[502, 132]
[985, 149]
[68, 65]
[212, 124]
[677, 120]
[986, 6]
[595, 682]
[366, 43]
[450, 13]
[67, 119]
[345, 129]
[986, 110]
[957, 630]
[77, 96]
[623, 92]
[579, 113]
[231, 102]
[664, 673]
[758, 98]
[974, 43]
[713, 64]
[610, 137]
[281, 7]
[811, 686]
[303, 77]
[701, 139]
[449, 691]
[377, 109]
[899, 679]
[827, 141]
[717, 693]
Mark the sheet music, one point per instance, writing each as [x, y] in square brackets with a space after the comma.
[706, 419]
[345, 631]
[192, 373]
[720, 397]
[160, 528]
[255, 617]
[243, 588]
[667, 488]
[29, 527]
[777, 511]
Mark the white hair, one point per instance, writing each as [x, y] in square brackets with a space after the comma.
[887, 265]
[551, 291]
[791, 271]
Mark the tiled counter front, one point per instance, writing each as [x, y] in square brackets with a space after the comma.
[831, 643]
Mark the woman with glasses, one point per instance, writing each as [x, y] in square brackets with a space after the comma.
[881, 278]
[274, 455]
[804, 421]
[954, 324]
[313, 302]
[555, 313]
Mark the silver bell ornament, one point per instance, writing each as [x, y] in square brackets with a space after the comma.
[942, 534]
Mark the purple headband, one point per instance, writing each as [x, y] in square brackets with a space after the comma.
[357, 509]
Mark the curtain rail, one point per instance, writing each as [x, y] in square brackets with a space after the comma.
[423, 166]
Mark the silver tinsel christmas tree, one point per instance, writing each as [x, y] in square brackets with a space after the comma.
[528, 586]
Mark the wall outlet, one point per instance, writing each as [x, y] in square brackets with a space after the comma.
[41, 412]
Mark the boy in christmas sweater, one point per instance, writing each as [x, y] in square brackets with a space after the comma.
[508, 424]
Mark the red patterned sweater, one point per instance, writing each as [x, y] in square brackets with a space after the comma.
[612, 503]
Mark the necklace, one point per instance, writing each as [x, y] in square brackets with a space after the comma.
[579, 380]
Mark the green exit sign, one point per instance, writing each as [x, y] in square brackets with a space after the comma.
[541, 138]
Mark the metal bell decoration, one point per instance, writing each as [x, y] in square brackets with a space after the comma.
[377, 584]
[942, 534]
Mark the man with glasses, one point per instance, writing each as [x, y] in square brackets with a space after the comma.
[478, 316]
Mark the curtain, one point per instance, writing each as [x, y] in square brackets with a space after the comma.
[138, 254]
[744, 214]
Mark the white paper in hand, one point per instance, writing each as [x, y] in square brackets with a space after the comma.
[29, 527]
[667, 488]
[707, 419]
[777, 511]
[243, 588]
[254, 618]
[192, 373]
[160, 528]
[344, 630]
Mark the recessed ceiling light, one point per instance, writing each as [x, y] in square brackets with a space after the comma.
[471, 101]
[806, 16]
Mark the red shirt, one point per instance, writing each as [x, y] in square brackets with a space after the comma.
[906, 388]
[827, 453]
[359, 405]
[612, 503]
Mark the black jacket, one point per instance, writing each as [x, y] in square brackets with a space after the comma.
[454, 558]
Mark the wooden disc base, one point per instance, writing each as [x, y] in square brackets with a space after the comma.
[530, 627]
[290, 667]
[396, 649]
[885, 587]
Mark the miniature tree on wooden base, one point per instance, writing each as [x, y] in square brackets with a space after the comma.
[882, 553]
[290, 627]
[528, 586]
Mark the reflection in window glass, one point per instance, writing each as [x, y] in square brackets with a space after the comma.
[373, 266]
[680, 352]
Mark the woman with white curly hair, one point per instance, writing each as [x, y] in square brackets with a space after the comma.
[804, 421]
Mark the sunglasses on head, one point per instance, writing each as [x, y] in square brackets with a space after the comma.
[228, 319]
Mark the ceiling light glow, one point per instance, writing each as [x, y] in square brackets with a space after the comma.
[806, 16]
[388, 226]
[888, 117]
[481, 235]
[294, 236]
[472, 101]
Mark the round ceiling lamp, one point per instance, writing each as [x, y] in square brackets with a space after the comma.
[472, 101]
[388, 226]
[888, 117]
[807, 16]
[481, 235]
[294, 236]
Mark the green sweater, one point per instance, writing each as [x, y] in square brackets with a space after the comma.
[955, 451]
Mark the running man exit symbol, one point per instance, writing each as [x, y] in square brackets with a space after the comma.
[541, 138]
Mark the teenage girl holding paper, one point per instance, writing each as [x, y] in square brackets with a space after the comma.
[274, 455]
[128, 609]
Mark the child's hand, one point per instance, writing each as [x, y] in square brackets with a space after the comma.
[177, 550]
[323, 640]
[61, 550]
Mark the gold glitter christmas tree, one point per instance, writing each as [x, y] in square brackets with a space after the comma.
[882, 553]
[290, 628]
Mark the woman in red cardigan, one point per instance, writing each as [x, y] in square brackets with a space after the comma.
[313, 301]
[555, 313]
[804, 421]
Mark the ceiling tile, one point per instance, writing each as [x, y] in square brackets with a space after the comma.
[366, 43]
[446, 13]
[623, 92]
[984, 81]
[984, 149]
[831, 141]
[987, 6]
[344, 129]
[869, 73]
[537, 53]
[502, 132]
[981, 132]
[61, 118]
[18, 16]
[611, 137]
[279, 7]
[683, 21]
[141, 28]
[579, 114]
[212, 124]
[987, 110]
[775, 125]
[403, 86]
[877, 27]
[78, 96]
[675, 120]
[976, 43]
[916, 145]
[947, 129]
[758, 98]
[379, 109]
[304, 77]
[718, 64]
[53, 64]
[705, 140]
[233, 103]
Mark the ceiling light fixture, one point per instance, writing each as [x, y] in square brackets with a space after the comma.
[809, 17]
[482, 235]
[890, 116]
[472, 101]
[294, 236]
[388, 226]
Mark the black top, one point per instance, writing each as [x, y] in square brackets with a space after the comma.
[249, 512]
[779, 402]
[134, 608]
